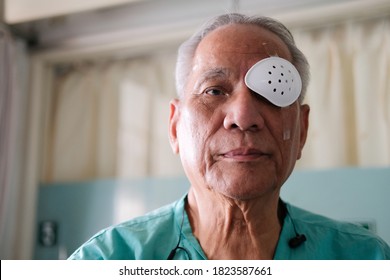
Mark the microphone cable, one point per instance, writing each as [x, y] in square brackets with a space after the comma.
[293, 242]
[177, 247]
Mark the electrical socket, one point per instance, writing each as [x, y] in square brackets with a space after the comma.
[48, 233]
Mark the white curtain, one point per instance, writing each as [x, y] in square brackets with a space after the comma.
[110, 119]
[13, 108]
[349, 94]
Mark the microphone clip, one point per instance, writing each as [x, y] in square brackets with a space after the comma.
[296, 241]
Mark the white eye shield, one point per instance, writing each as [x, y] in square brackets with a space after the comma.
[275, 79]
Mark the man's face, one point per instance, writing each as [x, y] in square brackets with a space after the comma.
[230, 139]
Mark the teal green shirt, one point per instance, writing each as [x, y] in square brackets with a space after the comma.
[153, 236]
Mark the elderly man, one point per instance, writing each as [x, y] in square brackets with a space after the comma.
[239, 125]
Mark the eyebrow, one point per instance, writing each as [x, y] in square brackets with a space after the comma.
[213, 73]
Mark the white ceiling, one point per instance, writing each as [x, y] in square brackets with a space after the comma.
[17, 11]
[66, 23]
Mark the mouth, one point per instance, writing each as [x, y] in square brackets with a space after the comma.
[244, 155]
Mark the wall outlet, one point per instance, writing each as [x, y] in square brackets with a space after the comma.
[48, 233]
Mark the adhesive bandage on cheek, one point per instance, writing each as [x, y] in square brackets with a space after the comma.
[286, 124]
[275, 79]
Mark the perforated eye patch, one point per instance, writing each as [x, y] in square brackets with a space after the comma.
[276, 79]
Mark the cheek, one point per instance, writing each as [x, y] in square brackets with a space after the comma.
[288, 124]
[290, 142]
[285, 133]
[197, 133]
[192, 136]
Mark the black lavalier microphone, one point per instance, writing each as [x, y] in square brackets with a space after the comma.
[296, 241]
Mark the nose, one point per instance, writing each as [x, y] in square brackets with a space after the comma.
[243, 112]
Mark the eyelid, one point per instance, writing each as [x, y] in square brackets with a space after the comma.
[217, 88]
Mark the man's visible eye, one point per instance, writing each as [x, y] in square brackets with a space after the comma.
[214, 91]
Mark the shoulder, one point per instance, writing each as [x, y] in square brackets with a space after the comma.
[138, 238]
[336, 239]
[324, 224]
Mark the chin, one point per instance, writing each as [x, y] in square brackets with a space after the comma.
[246, 189]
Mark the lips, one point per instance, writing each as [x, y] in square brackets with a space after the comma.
[244, 154]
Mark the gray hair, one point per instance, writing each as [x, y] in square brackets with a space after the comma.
[187, 50]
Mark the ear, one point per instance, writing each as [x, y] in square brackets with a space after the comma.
[304, 127]
[173, 121]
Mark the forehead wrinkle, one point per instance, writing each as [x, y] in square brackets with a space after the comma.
[263, 52]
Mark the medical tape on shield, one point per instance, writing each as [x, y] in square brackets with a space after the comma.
[276, 79]
[287, 123]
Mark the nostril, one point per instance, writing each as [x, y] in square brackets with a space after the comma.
[253, 127]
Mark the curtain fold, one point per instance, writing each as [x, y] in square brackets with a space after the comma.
[13, 108]
[349, 94]
[110, 119]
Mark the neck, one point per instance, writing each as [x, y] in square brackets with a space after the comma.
[228, 228]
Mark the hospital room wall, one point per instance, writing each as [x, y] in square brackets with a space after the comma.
[64, 204]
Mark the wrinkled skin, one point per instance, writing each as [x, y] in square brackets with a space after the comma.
[233, 146]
